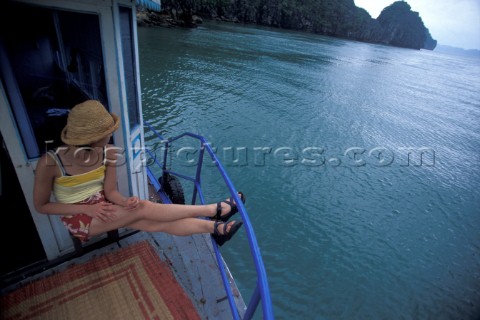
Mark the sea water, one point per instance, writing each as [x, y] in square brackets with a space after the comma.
[360, 164]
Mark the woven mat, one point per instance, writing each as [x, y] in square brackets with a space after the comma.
[131, 283]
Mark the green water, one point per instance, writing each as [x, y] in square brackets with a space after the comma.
[360, 164]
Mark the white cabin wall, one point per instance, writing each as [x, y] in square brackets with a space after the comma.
[134, 175]
[142, 179]
[132, 178]
[114, 74]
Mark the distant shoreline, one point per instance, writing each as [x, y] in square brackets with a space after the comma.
[148, 19]
[457, 51]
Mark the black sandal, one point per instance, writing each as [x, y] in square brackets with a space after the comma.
[220, 239]
[233, 208]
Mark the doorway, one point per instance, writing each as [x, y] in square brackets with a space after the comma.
[20, 244]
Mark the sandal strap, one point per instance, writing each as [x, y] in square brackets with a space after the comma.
[229, 202]
[215, 228]
[225, 224]
[218, 214]
[222, 238]
[233, 208]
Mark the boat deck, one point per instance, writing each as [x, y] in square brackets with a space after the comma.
[191, 259]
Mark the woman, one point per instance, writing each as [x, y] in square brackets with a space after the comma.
[82, 176]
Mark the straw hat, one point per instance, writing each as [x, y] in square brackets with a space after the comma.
[88, 122]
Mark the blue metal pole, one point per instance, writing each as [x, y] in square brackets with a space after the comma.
[253, 304]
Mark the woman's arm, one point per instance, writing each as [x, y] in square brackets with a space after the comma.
[116, 157]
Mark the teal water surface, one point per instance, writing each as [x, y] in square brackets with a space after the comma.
[360, 164]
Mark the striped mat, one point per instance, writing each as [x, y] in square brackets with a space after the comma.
[130, 283]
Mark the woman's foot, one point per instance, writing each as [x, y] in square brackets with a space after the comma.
[223, 214]
[224, 231]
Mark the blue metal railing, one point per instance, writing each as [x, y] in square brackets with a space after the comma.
[261, 291]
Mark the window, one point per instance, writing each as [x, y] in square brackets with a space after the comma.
[128, 49]
[49, 68]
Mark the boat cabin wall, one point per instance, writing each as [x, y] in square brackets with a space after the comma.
[72, 51]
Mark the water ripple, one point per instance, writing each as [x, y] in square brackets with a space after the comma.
[339, 240]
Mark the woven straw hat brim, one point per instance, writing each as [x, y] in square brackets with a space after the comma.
[87, 123]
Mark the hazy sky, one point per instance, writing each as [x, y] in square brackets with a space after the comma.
[451, 22]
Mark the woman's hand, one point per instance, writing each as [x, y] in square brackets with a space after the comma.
[131, 203]
[103, 211]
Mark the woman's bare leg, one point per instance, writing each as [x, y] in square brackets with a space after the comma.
[171, 212]
[155, 214]
[182, 227]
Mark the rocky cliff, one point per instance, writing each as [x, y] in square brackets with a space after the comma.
[402, 27]
[397, 25]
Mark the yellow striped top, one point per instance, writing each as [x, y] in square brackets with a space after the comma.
[75, 188]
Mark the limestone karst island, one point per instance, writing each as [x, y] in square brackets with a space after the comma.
[397, 25]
